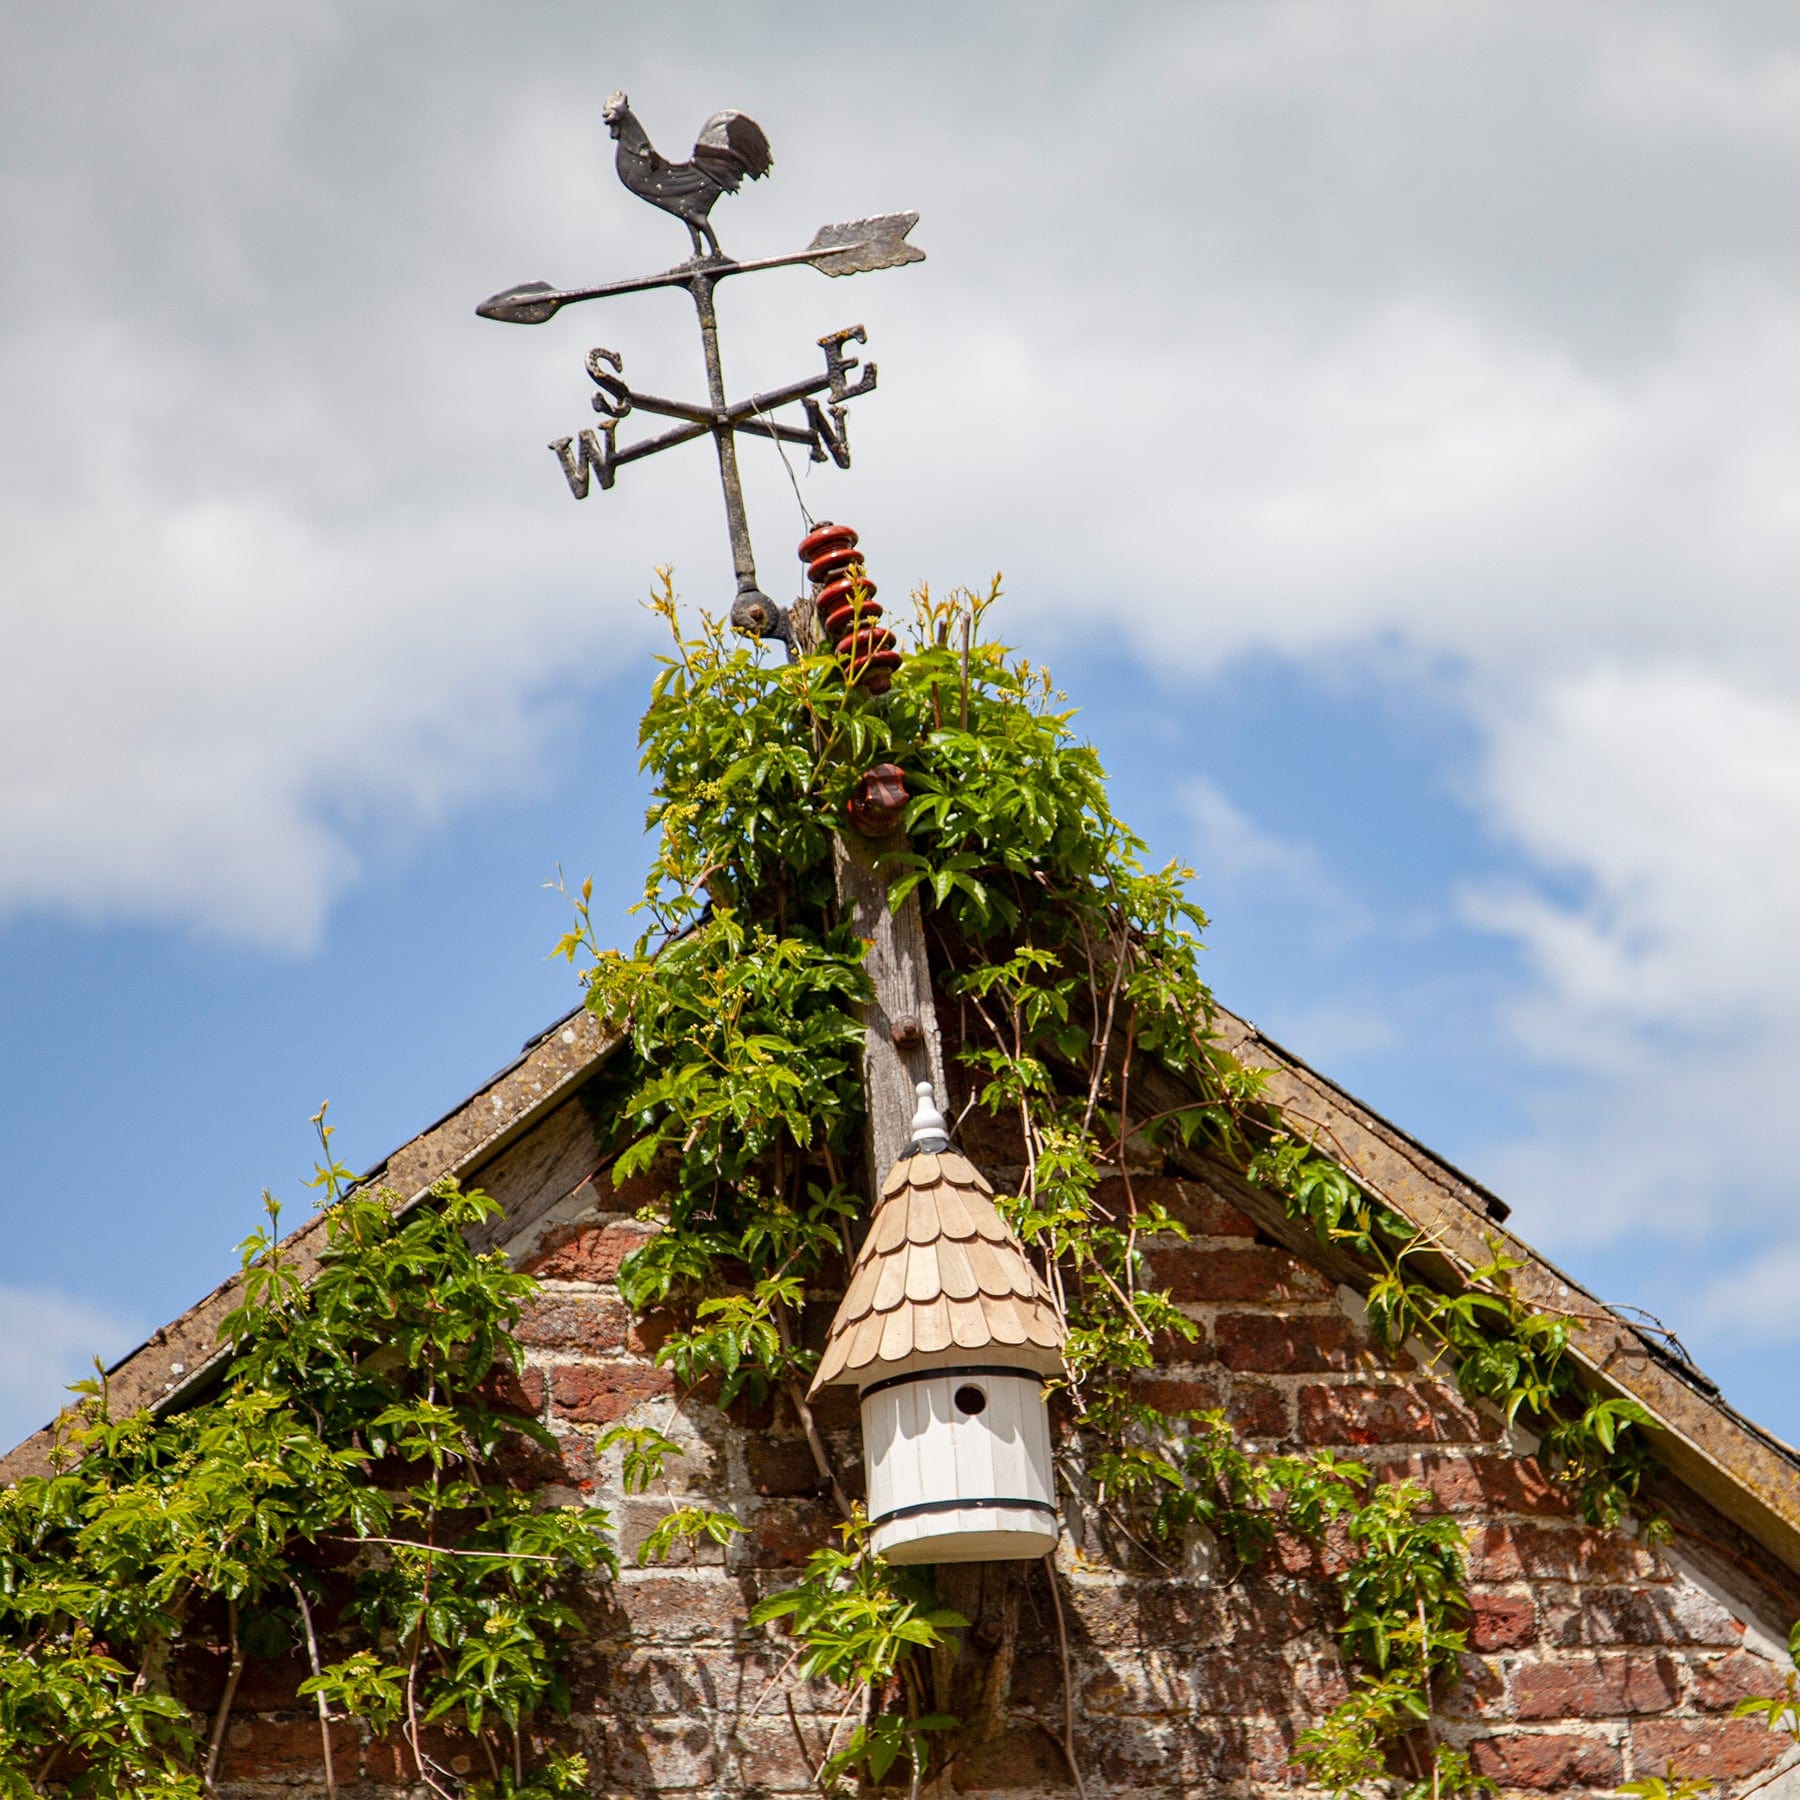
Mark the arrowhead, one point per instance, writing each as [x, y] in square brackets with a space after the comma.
[859, 245]
[531, 303]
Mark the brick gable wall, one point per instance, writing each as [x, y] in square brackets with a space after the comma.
[1594, 1659]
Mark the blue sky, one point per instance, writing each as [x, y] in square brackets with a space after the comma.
[1384, 421]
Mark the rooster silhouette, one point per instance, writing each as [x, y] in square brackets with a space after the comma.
[730, 146]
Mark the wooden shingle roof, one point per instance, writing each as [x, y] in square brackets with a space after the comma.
[939, 1276]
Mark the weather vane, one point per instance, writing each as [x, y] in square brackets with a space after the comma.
[730, 147]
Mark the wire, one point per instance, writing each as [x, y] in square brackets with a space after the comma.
[782, 453]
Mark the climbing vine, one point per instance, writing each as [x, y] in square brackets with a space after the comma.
[357, 1428]
[360, 1419]
[1074, 967]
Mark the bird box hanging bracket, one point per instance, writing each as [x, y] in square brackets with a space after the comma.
[730, 147]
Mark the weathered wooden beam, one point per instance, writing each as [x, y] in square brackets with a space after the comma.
[901, 1045]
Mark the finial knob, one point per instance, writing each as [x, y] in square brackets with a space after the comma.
[930, 1130]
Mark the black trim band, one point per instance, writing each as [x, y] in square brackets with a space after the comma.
[968, 1504]
[876, 1387]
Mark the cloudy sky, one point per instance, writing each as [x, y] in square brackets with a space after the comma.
[1387, 417]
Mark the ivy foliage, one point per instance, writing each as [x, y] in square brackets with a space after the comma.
[1074, 965]
[357, 1412]
[355, 1427]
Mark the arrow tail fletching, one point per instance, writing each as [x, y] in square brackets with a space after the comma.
[861, 245]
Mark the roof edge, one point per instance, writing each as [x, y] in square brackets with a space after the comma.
[183, 1356]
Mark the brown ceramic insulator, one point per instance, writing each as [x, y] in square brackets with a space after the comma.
[879, 802]
[869, 656]
[840, 624]
[833, 563]
[840, 596]
[826, 537]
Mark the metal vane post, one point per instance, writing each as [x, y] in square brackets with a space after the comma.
[730, 148]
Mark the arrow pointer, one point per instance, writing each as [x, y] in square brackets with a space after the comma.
[853, 248]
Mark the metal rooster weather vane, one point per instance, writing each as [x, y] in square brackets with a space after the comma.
[730, 147]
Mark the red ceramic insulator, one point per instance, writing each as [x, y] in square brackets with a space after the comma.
[826, 537]
[874, 643]
[840, 596]
[839, 561]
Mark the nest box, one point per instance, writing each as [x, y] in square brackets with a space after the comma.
[948, 1334]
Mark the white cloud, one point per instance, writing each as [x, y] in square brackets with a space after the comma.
[1230, 850]
[1670, 796]
[51, 1340]
[1469, 333]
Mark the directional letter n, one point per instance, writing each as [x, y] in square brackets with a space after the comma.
[593, 451]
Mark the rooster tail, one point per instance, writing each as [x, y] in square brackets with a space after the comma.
[732, 143]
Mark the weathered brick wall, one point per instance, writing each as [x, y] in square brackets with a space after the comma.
[1595, 1659]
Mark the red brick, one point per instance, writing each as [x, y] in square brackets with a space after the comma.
[390, 1759]
[1501, 1621]
[1596, 1687]
[1508, 1552]
[1175, 1756]
[769, 1758]
[780, 1467]
[513, 1390]
[1491, 1482]
[594, 1323]
[261, 1746]
[1131, 1686]
[1020, 1756]
[1159, 1615]
[1316, 1560]
[1658, 1615]
[1246, 1273]
[1547, 1761]
[1232, 1684]
[1189, 1203]
[1274, 1343]
[1713, 1749]
[588, 1252]
[650, 1755]
[599, 1393]
[1413, 1412]
[1254, 1409]
[784, 1533]
[636, 1516]
[1721, 1682]
[676, 1606]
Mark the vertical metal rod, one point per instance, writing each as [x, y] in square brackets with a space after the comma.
[725, 439]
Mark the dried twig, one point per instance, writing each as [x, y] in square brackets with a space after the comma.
[1062, 1643]
[312, 1656]
[233, 1674]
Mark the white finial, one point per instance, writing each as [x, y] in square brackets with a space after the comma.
[929, 1129]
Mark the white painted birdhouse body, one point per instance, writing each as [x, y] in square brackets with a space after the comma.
[958, 1464]
[948, 1333]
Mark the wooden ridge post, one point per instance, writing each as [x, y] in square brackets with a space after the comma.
[901, 1045]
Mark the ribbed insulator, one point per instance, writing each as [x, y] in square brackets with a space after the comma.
[850, 596]
[826, 537]
[833, 563]
[844, 597]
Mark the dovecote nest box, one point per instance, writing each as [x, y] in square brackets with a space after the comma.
[948, 1334]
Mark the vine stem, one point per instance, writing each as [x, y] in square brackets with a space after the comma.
[816, 1445]
[1425, 1683]
[808, 1424]
[233, 1675]
[312, 1657]
[1062, 1644]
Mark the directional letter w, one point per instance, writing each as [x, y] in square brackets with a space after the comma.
[593, 451]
